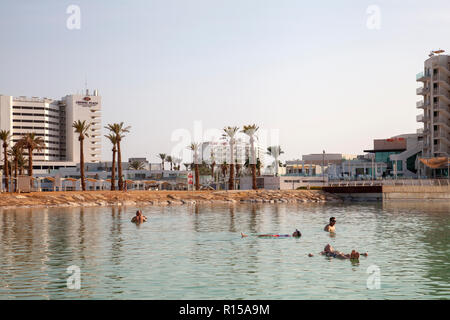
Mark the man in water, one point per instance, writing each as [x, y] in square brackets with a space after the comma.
[296, 234]
[139, 217]
[330, 227]
[330, 252]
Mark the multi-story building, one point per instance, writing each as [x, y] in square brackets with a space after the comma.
[220, 151]
[436, 106]
[52, 121]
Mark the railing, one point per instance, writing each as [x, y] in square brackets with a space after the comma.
[391, 182]
[440, 77]
[441, 92]
[422, 75]
[420, 118]
[422, 90]
[442, 120]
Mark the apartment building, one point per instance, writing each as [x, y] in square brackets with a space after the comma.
[436, 106]
[220, 151]
[52, 120]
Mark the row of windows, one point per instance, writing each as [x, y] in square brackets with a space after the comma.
[37, 115]
[35, 128]
[39, 135]
[36, 121]
[35, 108]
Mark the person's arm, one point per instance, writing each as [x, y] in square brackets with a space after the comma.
[327, 228]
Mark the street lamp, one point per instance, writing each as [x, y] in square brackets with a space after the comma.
[323, 167]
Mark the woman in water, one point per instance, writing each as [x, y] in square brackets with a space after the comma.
[139, 217]
[296, 234]
[330, 252]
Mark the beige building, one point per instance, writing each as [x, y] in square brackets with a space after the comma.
[436, 106]
[52, 121]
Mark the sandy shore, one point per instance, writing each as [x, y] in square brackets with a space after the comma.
[160, 198]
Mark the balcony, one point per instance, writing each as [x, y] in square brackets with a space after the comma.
[444, 121]
[422, 91]
[420, 131]
[441, 107]
[422, 104]
[440, 92]
[422, 76]
[420, 118]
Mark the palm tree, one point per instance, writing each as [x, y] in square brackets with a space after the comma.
[81, 127]
[137, 165]
[169, 159]
[119, 130]
[187, 166]
[113, 138]
[31, 142]
[250, 130]
[17, 155]
[275, 151]
[194, 148]
[231, 133]
[177, 162]
[224, 169]
[258, 167]
[4, 136]
[162, 156]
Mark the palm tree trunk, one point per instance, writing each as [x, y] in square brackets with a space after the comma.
[5, 168]
[197, 182]
[113, 171]
[83, 182]
[254, 176]
[16, 164]
[119, 160]
[30, 166]
[231, 179]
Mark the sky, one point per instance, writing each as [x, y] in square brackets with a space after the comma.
[313, 75]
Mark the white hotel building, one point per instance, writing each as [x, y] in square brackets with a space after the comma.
[220, 151]
[52, 120]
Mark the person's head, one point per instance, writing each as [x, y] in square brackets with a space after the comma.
[297, 233]
[138, 213]
[328, 248]
[332, 221]
[354, 254]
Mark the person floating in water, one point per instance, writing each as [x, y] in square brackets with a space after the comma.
[330, 227]
[139, 217]
[329, 251]
[296, 234]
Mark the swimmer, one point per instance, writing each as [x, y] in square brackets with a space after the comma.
[330, 227]
[296, 234]
[330, 252]
[139, 217]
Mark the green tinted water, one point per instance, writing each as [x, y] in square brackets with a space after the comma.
[197, 252]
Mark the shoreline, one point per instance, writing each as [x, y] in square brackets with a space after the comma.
[161, 198]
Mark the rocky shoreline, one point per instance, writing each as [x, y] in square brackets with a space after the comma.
[159, 198]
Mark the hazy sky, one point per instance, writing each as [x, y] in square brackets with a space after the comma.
[311, 69]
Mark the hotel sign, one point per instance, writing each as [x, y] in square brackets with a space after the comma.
[86, 102]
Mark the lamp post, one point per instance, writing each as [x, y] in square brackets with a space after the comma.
[323, 167]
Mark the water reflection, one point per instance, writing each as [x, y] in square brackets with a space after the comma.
[196, 252]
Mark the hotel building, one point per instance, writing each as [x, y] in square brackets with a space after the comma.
[435, 105]
[52, 121]
[220, 151]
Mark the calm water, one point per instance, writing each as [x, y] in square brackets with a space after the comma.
[197, 252]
